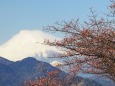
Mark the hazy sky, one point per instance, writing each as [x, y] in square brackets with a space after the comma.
[16, 15]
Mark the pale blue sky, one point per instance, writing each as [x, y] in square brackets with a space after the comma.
[16, 15]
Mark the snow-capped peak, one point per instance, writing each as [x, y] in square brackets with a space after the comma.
[27, 43]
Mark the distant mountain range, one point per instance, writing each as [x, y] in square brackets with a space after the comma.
[14, 73]
[104, 81]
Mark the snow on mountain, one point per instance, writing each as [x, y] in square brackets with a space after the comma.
[28, 43]
[56, 63]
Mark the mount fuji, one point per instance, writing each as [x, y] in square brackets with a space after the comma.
[29, 43]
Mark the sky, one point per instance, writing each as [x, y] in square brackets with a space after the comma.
[17, 15]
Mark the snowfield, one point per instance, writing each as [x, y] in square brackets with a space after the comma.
[29, 43]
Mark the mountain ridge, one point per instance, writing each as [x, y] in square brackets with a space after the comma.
[5, 61]
[30, 68]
